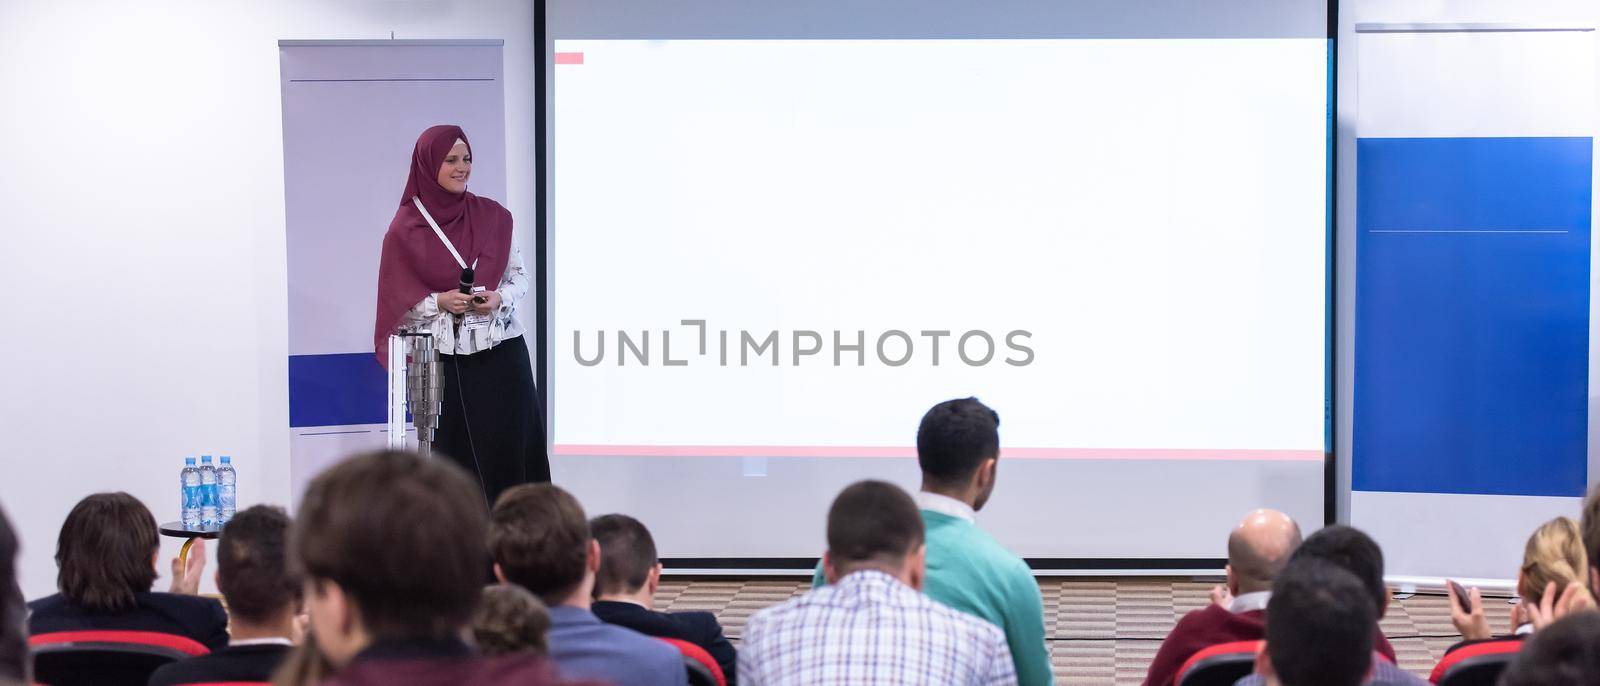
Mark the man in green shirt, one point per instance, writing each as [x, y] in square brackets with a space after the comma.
[958, 447]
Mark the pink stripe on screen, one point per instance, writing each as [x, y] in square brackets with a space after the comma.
[1187, 454]
[569, 58]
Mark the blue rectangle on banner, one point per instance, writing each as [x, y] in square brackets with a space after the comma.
[337, 390]
[1472, 315]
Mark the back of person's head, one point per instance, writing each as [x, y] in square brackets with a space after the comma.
[1319, 627]
[253, 567]
[509, 619]
[1353, 551]
[627, 554]
[1554, 554]
[955, 438]
[106, 552]
[1591, 536]
[14, 656]
[1258, 549]
[1565, 652]
[539, 538]
[399, 534]
[872, 524]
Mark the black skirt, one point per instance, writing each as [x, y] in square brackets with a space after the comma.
[492, 423]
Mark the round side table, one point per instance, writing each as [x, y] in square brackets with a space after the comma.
[177, 530]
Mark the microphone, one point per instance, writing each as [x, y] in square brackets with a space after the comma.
[466, 287]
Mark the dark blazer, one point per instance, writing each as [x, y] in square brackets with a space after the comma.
[233, 663]
[699, 628]
[201, 619]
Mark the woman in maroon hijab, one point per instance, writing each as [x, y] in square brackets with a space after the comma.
[491, 424]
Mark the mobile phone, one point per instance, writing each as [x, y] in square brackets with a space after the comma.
[1462, 599]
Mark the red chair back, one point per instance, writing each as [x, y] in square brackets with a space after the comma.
[1479, 663]
[703, 669]
[106, 658]
[1223, 663]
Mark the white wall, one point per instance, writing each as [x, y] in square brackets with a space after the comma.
[143, 233]
[1530, 12]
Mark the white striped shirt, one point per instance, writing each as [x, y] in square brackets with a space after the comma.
[426, 317]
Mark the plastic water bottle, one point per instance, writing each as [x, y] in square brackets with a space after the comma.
[190, 480]
[227, 489]
[208, 492]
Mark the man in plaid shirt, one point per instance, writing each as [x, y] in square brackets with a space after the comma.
[871, 624]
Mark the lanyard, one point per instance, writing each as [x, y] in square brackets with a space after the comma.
[440, 232]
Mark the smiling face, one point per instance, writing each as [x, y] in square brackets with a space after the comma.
[456, 169]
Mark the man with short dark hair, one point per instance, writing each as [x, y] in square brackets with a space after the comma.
[1563, 653]
[391, 550]
[870, 625]
[1319, 629]
[262, 598]
[1258, 549]
[625, 591]
[539, 538]
[958, 448]
[1352, 550]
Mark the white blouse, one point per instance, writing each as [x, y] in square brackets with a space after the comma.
[426, 317]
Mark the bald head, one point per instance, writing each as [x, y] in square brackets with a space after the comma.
[1259, 547]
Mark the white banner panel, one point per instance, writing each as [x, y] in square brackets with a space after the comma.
[1473, 291]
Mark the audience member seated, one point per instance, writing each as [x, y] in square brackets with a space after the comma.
[391, 555]
[304, 666]
[262, 598]
[1563, 653]
[1553, 559]
[509, 620]
[1354, 551]
[870, 625]
[539, 538]
[106, 562]
[15, 664]
[1590, 525]
[1258, 548]
[958, 448]
[1319, 631]
[625, 591]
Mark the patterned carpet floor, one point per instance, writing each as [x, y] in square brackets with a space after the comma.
[1101, 631]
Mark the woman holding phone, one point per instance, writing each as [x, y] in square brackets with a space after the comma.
[1552, 581]
[443, 236]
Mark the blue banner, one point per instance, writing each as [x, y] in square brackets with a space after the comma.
[1472, 315]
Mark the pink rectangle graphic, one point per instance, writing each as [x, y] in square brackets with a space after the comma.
[1186, 454]
[569, 58]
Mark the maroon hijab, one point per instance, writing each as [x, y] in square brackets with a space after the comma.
[415, 263]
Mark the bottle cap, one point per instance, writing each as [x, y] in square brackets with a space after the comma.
[227, 459]
[188, 460]
[205, 459]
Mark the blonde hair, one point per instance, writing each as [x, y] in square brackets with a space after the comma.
[304, 666]
[1555, 553]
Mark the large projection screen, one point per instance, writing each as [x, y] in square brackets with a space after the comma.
[779, 232]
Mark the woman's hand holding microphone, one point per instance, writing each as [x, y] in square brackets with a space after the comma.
[456, 302]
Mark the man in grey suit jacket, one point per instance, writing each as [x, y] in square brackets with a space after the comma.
[539, 537]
